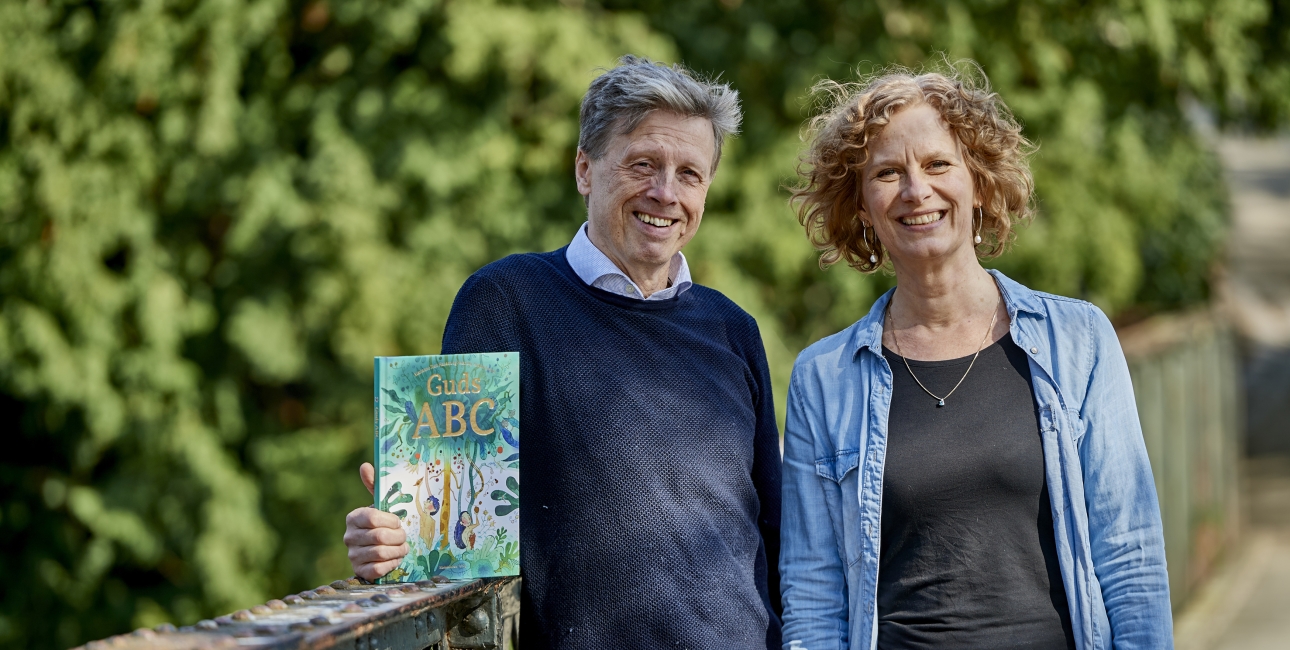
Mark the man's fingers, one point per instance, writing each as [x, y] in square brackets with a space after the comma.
[356, 537]
[360, 555]
[375, 538]
[368, 517]
[368, 474]
[374, 571]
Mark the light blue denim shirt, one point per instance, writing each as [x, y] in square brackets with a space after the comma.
[1106, 518]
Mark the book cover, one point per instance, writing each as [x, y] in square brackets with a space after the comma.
[447, 464]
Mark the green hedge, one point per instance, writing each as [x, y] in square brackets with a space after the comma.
[213, 213]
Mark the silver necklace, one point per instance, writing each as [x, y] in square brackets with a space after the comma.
[940, 401]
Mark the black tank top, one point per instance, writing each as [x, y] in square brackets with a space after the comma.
[968, 558]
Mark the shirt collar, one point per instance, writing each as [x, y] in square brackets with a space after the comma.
[867, 333]
[591, 264]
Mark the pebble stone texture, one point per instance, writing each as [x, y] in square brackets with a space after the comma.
[345, 614]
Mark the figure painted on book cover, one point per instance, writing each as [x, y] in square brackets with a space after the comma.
[464, 533]
[428, 507]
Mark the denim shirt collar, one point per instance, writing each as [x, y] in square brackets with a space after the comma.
[867, 333]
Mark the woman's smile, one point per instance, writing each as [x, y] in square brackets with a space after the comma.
[923, 218]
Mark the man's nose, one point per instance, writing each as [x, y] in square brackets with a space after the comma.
[663, 187]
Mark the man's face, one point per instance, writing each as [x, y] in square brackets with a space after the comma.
[645, 194]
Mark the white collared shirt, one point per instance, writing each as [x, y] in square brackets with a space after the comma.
[596, 269]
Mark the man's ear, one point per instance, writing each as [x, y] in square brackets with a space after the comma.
[582, 172]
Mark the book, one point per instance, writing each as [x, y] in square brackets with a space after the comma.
[447, 443]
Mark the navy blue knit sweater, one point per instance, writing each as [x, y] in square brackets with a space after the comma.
[649, 460]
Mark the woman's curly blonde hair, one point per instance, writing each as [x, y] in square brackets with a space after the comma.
[996, 154]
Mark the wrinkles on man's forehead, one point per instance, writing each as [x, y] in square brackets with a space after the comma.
[664, 140]
[628, 124]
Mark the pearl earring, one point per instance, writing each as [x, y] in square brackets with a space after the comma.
[980, 215]
[864, 236]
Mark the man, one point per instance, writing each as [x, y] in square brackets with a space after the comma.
[651, 462]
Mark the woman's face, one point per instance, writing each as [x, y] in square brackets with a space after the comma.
[918, 192]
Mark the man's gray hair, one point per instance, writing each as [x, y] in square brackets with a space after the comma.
[619, 100]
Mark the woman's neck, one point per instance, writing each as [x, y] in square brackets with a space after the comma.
[937, 296]
[943, 311]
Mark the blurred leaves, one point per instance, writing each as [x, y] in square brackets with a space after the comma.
[214, 213]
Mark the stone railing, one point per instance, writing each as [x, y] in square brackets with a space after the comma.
[1186, 382]
[350, 615]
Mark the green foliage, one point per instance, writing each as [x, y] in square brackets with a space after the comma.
[214, 213]
[393, 497]
[512, 499]
[432, 561]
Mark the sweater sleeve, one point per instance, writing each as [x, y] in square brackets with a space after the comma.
[766, 477]
[483, 319]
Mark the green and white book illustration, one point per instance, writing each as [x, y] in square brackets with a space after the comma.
[447, 457]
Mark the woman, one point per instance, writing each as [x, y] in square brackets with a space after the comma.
[964, 467]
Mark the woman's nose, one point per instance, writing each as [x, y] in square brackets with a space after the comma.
[916, 187]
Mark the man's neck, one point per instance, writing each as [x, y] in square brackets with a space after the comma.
[649, 279]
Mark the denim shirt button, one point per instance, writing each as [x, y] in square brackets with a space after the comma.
[1034, 350]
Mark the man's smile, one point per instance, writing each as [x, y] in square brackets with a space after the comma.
[658, 222]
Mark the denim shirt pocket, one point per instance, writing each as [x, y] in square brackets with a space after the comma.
[840, 471]
[835, 467]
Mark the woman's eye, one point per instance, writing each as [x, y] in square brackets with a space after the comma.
[887, 173]
[939, 164]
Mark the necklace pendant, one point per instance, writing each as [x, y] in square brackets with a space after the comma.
[940, 404]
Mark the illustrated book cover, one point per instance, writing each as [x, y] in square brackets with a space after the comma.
[447, 458]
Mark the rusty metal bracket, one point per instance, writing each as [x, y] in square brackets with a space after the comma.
[488, 622]
[351, 615]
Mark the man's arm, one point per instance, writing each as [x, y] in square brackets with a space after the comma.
[482, 320]
[479, 322]
[766, 475]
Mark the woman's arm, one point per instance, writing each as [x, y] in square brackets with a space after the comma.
[812, 573]
[1123, 514]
